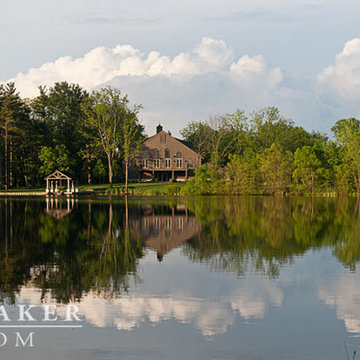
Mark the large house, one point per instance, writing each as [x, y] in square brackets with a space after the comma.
[164, 157]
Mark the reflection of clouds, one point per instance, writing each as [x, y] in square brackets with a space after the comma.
[252, 302]
[344, 296]
[211, 316]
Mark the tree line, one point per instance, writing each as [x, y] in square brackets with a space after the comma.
[265, 153]
[65, 128]
[96, 136]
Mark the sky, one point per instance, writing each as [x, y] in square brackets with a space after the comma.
[186, 61]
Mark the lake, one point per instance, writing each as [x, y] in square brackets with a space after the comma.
[199, 278]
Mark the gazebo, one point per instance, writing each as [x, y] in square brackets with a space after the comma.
[54, 181]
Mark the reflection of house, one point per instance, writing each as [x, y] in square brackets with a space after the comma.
[165, 157]
[163, 229]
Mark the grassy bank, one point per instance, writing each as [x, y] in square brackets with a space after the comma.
[136, 189]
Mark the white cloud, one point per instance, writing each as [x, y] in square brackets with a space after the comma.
[344, 296]
[174, 90]
[340, 82]
[211, 315]
[255, 73]
[101, 65]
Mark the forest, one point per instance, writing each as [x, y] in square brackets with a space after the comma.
[97, 135]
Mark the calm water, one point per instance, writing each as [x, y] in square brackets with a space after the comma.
[206, 278]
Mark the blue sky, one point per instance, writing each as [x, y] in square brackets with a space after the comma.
[190, 60]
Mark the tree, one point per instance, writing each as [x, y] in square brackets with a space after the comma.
[222, 135]
[347, 133]
[132, 136]
[14, 118]
[243, 173]
[307, 168]
[114, 123]
[60, 110]
[54, 159]
[99, 170]
[275, 168]
[197, 135]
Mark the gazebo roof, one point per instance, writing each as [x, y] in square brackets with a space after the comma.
[60, 175]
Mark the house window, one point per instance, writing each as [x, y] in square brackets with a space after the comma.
[179, 163]
[179, 154]
[167, 153]
[168, 163]
[156, 153]
[157, 163]
[144, 163]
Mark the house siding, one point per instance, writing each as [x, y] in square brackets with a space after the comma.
[152, 161]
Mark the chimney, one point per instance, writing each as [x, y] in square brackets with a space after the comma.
[159, 128]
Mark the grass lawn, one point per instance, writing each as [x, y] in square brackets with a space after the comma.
[147, 189]
[137, 189]
[20, 190]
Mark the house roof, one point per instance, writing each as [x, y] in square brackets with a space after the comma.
[177, 139]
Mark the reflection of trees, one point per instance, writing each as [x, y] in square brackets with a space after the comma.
[262, 234]
[93, 249]
[97, 246]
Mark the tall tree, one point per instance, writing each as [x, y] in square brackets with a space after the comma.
[14, 116]
[275, 169]
[307, 169]
[60, 109]
[131, 138]
[347, 133]
[109, 115]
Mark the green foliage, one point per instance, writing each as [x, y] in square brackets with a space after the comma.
[99, 170]
[113, 125]
[275, 169]
[307, 169]
[173, 190]
[244, 175]
[54, 159]
[207, 180]
[347, 133]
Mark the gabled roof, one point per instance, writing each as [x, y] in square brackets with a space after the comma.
[183, 142]
[60, 175]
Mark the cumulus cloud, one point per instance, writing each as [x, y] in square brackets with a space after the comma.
[206, 80]
[103, 64]
[255, 73]
[340, 82]
[344, 296]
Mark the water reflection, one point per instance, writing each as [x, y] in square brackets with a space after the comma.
[164, 228]
[59, 209]
[343, 294]
[90, 251]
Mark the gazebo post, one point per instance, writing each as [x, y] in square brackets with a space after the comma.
[72, 186]
[56, 186]
[68, 186]
[52, 186]
[47, 185]
[77, 186]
